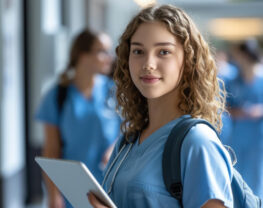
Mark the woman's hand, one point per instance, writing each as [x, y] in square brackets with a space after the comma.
[255, 111]
[95, 202]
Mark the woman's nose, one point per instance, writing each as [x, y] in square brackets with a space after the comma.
[148, 67]
[149, 64]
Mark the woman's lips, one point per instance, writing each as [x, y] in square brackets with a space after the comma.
[149, 79]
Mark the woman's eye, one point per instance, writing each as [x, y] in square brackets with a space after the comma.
[164, 52]
[137, 51]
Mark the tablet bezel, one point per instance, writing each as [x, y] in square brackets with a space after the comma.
[68, 175]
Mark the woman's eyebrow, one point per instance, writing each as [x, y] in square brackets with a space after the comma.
[164, 44]
[136, 43]
[156, 44]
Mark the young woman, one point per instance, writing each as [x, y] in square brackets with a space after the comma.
[85, 124]
[164, 73]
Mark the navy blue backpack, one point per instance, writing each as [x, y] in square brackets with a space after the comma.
[242, 194]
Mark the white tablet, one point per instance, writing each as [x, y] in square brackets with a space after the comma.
[74, 180]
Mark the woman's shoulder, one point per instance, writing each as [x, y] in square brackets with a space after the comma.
[202, 134]
[202, 143]
[102, 79]
[103, 83]
[47, 109]
[50, 91]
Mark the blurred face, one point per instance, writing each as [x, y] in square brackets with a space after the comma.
[155, 60]
[99, 59]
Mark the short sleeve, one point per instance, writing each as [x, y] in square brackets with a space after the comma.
[47, 111]
[206, 168]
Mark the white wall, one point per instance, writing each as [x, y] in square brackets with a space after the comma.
[49, 50]
[40, 63]
[118, 14]
[12, 103]
[76, 13]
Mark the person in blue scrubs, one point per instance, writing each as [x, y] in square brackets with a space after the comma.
[227, 71]
[165, 72]
[86, 124]
[245, 102]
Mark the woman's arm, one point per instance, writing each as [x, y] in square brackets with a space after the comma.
[254, 111]
[52, 149]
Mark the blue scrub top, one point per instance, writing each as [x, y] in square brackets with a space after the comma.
[246, 136]
[88, 126]
[206, 171]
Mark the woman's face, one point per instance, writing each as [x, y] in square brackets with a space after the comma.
[99, 59]
[155, 60]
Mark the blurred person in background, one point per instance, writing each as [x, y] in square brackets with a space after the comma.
[78, 113]
[245, 102]
[227, 72]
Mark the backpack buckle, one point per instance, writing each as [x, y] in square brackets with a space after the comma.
[176, 190]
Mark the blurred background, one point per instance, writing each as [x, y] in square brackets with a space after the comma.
[35, 36]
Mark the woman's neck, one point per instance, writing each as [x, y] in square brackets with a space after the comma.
[161, 111]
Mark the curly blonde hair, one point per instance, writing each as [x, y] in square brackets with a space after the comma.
[199, 87]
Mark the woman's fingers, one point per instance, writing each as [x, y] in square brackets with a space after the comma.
[95, 202]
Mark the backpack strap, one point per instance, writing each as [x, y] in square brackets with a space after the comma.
[61, 96]
[172, 155]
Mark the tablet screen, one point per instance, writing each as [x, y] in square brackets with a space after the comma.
[74, 180]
